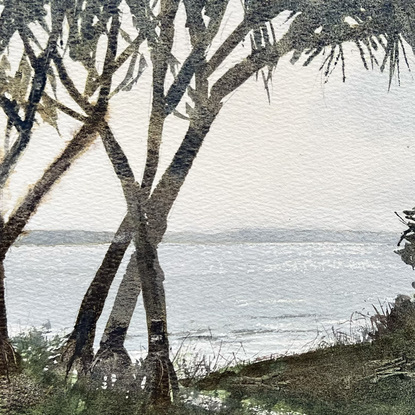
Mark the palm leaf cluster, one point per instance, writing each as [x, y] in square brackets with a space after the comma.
[407, 253]
[379, 29]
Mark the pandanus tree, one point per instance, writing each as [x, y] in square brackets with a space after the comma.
[21, 100]
[25, 99]
[198, 86]
[378, 29]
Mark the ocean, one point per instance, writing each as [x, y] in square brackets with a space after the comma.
[224, 301]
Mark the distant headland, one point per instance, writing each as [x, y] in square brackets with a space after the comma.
[250, 235]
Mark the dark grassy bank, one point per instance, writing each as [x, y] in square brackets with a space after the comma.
[376, 377]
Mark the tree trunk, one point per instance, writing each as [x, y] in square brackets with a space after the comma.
[112, 358]
[144, 273]
[81, 341]
[9, 360]
[161, 381]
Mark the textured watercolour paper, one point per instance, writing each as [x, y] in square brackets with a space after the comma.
[201, 207]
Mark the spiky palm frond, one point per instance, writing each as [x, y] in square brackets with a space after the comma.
[407, 253]
[367, 23]
[335, 55]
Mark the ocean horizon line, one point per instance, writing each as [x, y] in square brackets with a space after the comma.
[247, 235]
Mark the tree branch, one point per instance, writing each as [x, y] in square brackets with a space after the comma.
[7, 26]
[182, 81]
[167, 190]
[201, 38]
[28, 49]
[70, 86]
[68, 111]
[305, 24]
[38, 86]
[19, 218]
[230, 43]
[122, 58]
[116, 155]
[9, 108]
[109, 62]
[160, 57]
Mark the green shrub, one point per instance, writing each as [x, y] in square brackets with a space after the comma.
[39, 354]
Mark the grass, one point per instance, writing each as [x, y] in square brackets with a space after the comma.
[41, 387]
[371, 377]
[376, 377]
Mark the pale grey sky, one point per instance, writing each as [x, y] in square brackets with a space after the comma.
[333, 156]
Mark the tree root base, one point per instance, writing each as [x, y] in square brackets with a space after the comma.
[112, 369]
[72, 359]
[9, 359]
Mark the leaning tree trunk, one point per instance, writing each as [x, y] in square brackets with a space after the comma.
[112, 358]
[10, 231]
[79, 346]
[143, 274]
[149, 230]
[161, 380]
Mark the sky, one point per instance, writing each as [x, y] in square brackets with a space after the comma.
[319, 156]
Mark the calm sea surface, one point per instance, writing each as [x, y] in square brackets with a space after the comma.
[248, 299]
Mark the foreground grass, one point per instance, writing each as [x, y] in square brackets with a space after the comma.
[372, 378]
[352, 379]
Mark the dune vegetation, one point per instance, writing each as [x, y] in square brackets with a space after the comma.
[375, 376]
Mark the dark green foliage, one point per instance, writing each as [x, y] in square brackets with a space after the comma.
[17, 13]
[407, 253]
[39, 354]
[143, 17]
[60, 396]
[373, 25]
